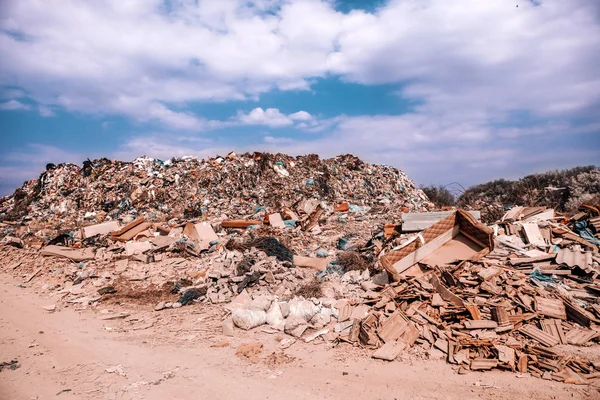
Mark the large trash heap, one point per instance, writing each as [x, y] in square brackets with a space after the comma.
[334, 251]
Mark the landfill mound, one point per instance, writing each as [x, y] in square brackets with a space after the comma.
[191, 188]
[562, 190]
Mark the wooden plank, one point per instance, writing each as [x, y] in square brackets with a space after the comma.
[554, 308]
[99, 229]
[239, 223]
[474, 311]
[389, 351]
[579, 336]
[129, 226]
[414, 222]
[130, 234]
[480, 324]
[533, 234]
[480, 364]
[539, 335]
[500, 315]
[446, 293]
[554, 328]
[83, 254]
[425, 250]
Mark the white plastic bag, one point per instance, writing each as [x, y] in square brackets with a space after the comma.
[260, 303]
[248, 319]
[275, 317]
[303, 309]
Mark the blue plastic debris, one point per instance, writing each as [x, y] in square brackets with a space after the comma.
[310, 182]
[583, 231]
[538, 276]
[289, 223]
[253, 227]
[332, 268]
[259, 209]
[355, 208]
[322, 253]
[343, 244]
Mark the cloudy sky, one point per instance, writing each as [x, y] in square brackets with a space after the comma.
[447, 90]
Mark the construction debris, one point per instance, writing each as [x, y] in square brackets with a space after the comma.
[321, 250]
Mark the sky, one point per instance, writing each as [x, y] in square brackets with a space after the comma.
[449, 91]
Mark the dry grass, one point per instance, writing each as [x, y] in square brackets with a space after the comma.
[128, 292]
[352, 261]
[310, 289]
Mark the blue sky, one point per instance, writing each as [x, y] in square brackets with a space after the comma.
[462, 90]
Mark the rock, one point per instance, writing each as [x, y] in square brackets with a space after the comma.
[269, 277]
[176, 305]
[50, 308]
[381, 279]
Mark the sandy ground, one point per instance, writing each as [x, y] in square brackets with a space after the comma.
[73, 353]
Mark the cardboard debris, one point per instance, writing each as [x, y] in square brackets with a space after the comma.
[72, 254]
[99, 229]
[201, 233]
[311, 262]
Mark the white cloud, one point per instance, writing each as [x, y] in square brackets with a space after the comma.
[14, 105]
[45, 111]
[301, 116]
[278, 140]
[270, 117]
[148, 62]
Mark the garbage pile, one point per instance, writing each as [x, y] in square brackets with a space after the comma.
[188, 188]
[348, 264]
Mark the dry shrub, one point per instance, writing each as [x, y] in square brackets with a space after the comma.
[126, 291]
[353, 261]
[310, 289]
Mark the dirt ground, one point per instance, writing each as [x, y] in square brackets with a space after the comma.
[76, 353]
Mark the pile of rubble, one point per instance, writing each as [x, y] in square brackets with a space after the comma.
[349, 263]
[188, 188]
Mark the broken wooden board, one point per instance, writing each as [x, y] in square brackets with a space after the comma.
[389, 351]
[414, 222]
[578, 314]
[539, 335]
[317, 263]
[131, 233]
[480, 324]
[554, 328]
[394, 327]
[553, 308]
[99, 229]
[579, 336]
[446, 293]
[239, 223]
[128, 226]
[83, 254]
[480, 364]
[533, 234]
